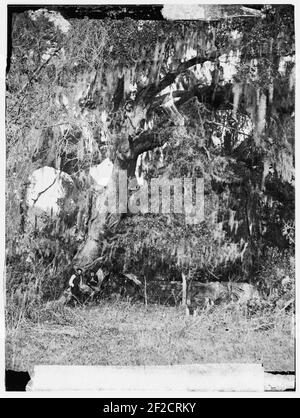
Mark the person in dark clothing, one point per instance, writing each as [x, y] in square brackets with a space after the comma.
[75, 282]
[92, 280]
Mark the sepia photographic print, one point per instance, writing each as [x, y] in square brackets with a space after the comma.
[150, 198]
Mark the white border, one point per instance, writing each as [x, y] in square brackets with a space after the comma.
[166, 395]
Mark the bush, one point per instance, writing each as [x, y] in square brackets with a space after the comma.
[276, 278]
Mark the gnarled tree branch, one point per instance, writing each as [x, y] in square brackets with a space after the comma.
[150, 140]
[149, 92]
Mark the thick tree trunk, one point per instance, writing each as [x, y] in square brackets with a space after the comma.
[89, 251]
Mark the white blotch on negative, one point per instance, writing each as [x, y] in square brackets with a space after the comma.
[47, 185]
[102, 172]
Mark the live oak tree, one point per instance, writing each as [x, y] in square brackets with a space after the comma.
[144, 91]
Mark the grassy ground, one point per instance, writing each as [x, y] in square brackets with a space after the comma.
[121, 333]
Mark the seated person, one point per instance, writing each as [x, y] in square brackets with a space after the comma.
[92, 279]
[75, 282]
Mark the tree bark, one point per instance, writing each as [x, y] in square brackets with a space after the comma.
[132, 146]
[103, 219]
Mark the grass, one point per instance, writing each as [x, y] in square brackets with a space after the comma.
[121, 333]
